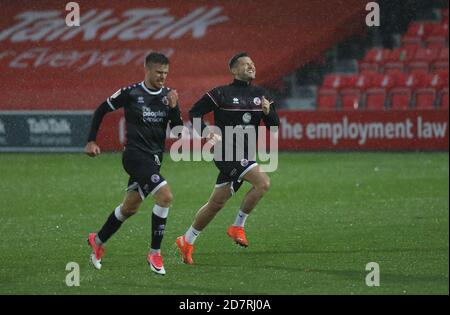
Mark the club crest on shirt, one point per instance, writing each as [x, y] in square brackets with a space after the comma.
[244, 162]
[257, 101]
[165, 101]
[246, 117]
[155, 178]
[235, 100]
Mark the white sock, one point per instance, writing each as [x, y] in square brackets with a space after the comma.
[160, 211]
[191, 235]
[119, 214]
[240, 219]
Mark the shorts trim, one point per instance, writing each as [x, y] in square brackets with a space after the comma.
[133, 187]
[155, 190]
[221, 184]
[247, 170]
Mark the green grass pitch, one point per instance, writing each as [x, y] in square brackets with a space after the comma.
[326, 216]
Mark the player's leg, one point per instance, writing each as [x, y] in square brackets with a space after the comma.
[260, 182]
[216, 202]
[163, 199]
[205, 214]
[126, 209]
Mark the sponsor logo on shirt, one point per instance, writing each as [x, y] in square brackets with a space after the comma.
[152, 116]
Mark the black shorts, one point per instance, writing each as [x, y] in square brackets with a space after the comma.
[143, 169]
[232, 172]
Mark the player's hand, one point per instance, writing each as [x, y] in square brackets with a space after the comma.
[172, 96]
[213, 138]
[92, 149]
[266, 105]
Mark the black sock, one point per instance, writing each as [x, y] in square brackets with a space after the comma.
[158, 227]
[109, 228]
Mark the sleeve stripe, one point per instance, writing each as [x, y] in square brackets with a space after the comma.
[212, 98]
[109, 103]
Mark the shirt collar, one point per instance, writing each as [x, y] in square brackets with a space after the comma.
[237, 82]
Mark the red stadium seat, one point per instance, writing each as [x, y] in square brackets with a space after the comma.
[334, 81]
[368, 72]
[426, 92]
[397, 59]
[384, 81]
[436, 80]
[327, 99]
[442, 61]
[438, 36]
[443, 98]
[375, 99]
[400, 98]
[359, 81]
[426, 54]
[423, 58]
[373, 59]
[411, 41]
[351, 99]
[418, 68]
[424, 98]
[376, 55]
[352, 94]
[419, 29]
[376, 94]
[436, 42]
[368, 67]
[328, 96]
[439, 29]
[400, 95]
[444, 76]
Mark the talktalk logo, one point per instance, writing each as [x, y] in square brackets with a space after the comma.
[133, 24]
[49, 126]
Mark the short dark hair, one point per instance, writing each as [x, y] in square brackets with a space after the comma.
[235, 58]
[155, 57]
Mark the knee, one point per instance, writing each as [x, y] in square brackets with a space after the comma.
[263, 185]
[165, 199]
[216, 205]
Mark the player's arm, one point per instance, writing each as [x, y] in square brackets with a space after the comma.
[203, 106]
[174, 109]
[112, 103]
[92, 149]
[270, 116]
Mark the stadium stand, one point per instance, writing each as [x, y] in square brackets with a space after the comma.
[412, 75]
